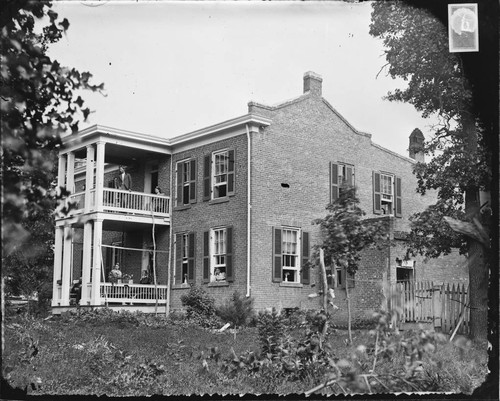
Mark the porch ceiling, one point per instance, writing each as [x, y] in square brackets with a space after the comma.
[118, 225]
[119, 154]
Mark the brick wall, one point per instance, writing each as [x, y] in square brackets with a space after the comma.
[304, 137]
[204, 215]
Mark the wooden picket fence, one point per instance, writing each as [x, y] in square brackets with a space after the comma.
[442, 305]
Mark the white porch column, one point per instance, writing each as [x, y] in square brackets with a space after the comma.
[61, 171]
[66, 265]
[58, 254]
[70, 173]
[86, 266]
[99, 187]
[89, 177]
[95, 297]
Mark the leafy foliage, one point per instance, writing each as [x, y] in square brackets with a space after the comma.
[346, 233]
[238, 310]
[271, 328]
[200, 307]
[39, 104]
[446, 85]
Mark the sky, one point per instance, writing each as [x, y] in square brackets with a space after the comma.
[170, 68]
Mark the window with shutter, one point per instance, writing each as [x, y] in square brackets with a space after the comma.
[186, 182]
[219, 174]
[399, 208]
[218, 260]
[305, 258]
[334, 182]
[290, 255]
[387, 194]
[377, 199]
[277, 258]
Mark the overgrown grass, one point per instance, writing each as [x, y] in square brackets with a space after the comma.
[134, 354]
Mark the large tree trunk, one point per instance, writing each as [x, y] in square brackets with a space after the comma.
[477, 261]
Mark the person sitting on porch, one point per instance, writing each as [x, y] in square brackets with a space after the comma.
[115, 274]
[145, 278]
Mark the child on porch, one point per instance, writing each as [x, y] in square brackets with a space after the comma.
[145, 278]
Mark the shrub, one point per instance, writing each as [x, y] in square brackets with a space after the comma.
[238, 310]
[198, 301]
[200, 308]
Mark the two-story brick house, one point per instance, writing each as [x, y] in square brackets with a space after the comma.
[236, 210]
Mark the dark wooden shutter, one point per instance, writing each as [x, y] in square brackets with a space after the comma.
[229, 255]
[207, 173]
[277, 257]
[191, 258]
[231, 173]
[305, 258]
[349, 175]
[398, 209]
[206, 256]
[192, 181]
[334, 182]
[377, 197]
[180, 168]
[178, 259]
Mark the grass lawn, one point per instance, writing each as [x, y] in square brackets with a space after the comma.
[64, 355]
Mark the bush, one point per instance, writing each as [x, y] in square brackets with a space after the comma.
[200, 308]
[238, 310]
[198, 301]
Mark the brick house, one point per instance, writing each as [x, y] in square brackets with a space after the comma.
[235, 211]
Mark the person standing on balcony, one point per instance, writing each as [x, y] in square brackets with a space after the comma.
[123, 182]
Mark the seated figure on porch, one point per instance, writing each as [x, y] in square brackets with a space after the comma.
[145, 278]
[115, 274]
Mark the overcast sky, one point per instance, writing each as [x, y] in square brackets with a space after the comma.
[173, 67]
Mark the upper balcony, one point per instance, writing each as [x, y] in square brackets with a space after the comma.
[119, 201]
[89, 168]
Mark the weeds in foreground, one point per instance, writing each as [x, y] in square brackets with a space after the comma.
[125, 353]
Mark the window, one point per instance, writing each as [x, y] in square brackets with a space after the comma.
[386, 190]
[387, 194]
[219, 175]
[218, 258]
[341, 279]
[290, 255]
[184, 258]
[341, 174]
[186, 182]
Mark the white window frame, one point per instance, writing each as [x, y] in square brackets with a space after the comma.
[185, 257]
[387, 196]
[185, 182]
[216, 186]
[218, 254]
[342, 173]
[290, 254]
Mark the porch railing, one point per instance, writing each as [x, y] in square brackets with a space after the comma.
[135, 202]
[133, 293]
[116, 200]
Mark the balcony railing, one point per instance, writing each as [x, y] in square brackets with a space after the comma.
[133, 293]
[130, 202]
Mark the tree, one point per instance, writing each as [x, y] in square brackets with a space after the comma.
[39, 103]
[345, 234]
[440, 84]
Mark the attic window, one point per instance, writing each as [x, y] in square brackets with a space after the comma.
[285, 185]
